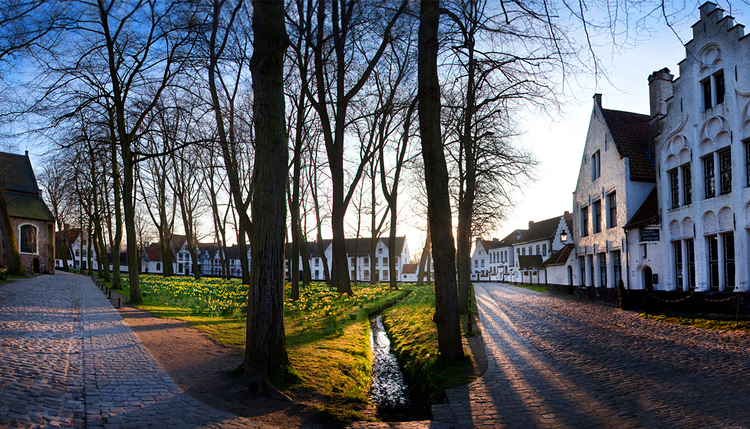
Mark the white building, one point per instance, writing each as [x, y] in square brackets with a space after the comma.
[702, 147]
[616, 175]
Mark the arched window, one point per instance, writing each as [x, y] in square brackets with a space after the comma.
[158, 266]
[27, 238]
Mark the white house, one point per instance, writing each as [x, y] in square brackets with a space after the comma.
[536, 245]
[702, 148]
[485, 260]
[616, 175]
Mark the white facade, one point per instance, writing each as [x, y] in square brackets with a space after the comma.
[613, 181]
[703, 153]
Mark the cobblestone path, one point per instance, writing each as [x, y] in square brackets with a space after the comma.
[67, 359]
[559, 363]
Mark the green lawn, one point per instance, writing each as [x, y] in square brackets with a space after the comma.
[327, 334]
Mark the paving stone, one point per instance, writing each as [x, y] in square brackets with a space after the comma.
[556, 362]
[67, 359]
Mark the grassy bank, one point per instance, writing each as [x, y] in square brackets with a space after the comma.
[327, 334]
[414, 338]
[721, 325]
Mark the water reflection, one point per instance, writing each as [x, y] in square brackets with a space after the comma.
[389, 390]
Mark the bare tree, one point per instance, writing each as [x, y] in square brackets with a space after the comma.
[265, 350]
[436, 179]
[352, 27]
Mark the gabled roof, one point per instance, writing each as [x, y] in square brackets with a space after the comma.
[491, 244]
[647, 213]
[20, 189]
[526, 262]
[362, 245]
[541, 230]
[513, 238]
[559, 257]
[630, 133]
[16, 174]
[409, 269]
[153, 252]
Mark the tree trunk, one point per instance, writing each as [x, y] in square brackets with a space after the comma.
[423, 271]
[117, 243]
[436, 178]
[265, 351]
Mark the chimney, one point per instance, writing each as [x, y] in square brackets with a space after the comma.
[531, 223]
[660, 89]
[598, 99]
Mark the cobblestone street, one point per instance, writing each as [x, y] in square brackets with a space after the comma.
[559, 363]
[67, 359]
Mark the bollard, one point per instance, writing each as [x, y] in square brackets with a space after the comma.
[119, 302]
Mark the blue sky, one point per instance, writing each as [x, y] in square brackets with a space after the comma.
[558, 139]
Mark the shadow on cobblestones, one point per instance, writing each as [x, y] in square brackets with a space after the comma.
[562, 363]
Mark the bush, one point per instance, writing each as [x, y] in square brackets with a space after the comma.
[3, 274]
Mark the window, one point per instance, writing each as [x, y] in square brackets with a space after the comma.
[544, 249]
[706, 84]
[690, 264]
[523, 251]
[385, 261]
[612, 210]
[713, 262]
[584, 222]
[158, 266]
[678, 263]
[687, 185]
[725, 167]
[78, 253]
[719, 85]
[380, 250]
[354, 275]
[713, 90]
[354, 262]
[376, 261]
[597, 216]
[595, 166]
[602, 270]
[317, 274]
[616, 267]
[28, 239]
[537, 250]
[367, 275]
[482, 263]
[366, 261]
[592, 269]
[317, 262]
[728, 260]
[476, 263]
[582, 266]
[708, 176]
[674, 186]
[385, 274]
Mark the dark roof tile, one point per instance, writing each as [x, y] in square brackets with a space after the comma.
[631, 135]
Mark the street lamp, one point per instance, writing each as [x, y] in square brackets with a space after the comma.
[563, 236]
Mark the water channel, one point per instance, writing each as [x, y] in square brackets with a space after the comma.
[389, 393]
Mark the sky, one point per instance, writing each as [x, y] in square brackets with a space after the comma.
[557, 141]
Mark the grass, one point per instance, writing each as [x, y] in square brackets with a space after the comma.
[327, 334]
[721, 325]
[414, 338]
[530, 287]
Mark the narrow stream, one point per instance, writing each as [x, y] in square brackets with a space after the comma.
[389, 390]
